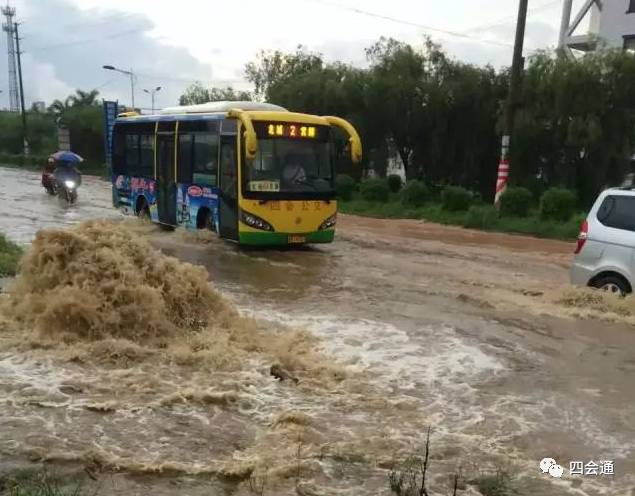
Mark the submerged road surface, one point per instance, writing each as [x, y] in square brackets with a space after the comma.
[466, 326]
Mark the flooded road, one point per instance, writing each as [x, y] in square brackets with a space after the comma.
[25, 208]
[436, 326]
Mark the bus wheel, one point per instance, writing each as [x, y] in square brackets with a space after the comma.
[143, 212]
[204, 220]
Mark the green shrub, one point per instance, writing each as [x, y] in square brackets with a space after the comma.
[344, 185]
[394, 183]
[500, 483]
[10, 254]
[374, 190]
[516, 202]
[455, 198]
[481, 217]
[557, 204]
[414, 194]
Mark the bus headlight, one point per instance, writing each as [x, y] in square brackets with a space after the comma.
[329, 223]
[254, 221]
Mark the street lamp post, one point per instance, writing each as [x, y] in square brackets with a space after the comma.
[151, 93]
[128, 73]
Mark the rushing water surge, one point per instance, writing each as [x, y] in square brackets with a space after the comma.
[169, 363]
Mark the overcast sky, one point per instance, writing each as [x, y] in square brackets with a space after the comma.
[171, 44]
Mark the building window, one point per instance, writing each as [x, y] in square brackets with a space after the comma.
[631, 7]
[629, 43]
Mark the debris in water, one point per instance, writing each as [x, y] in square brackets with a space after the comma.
[279, 373]
[105, 407]
[202, 397]
[294, 417]
[588, 299]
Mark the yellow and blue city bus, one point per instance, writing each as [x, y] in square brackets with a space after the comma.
[252, 172]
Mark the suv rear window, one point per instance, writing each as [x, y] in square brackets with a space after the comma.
[618, 211]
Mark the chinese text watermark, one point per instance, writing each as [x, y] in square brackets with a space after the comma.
[578, 467]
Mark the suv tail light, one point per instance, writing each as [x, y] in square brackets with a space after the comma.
[582, 237]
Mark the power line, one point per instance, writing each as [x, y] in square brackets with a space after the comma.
[111, 18]
[424, 27]
[512, 19]
[163, 77]
[121, 34]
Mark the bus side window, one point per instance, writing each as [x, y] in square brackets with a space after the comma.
[132, 154]
[118, 152]
[185, 158]
[198, 152]
[137, 142]
[146, 149]
[205, 161]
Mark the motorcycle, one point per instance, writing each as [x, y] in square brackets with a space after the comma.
[67, 180]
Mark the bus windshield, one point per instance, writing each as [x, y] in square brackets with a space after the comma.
[287, 165]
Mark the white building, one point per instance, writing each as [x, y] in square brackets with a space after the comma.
[39, 106]
[611, 23]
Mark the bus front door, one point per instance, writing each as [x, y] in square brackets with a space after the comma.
[166, 180]
[228, 204]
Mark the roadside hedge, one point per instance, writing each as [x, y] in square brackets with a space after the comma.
[455, 199]
[344, 185]
[374, 190]
[414, 194]
[394, 183]
[557, 204]
[516, 202]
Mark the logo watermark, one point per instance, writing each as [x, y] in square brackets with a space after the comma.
[578, 467]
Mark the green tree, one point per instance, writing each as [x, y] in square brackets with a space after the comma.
[58, 107]
[575, 125]
[197, 93]
[275, 68]
[84, 98]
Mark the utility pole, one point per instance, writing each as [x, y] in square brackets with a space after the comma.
[512, 100]
[564, 27]
[9, 28]
[19, 57]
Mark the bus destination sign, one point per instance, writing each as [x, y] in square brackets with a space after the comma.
[291, 131]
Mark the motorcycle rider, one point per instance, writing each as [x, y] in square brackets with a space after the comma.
[48, 180]
[66, 171]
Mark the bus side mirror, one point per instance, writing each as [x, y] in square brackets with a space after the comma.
[354, 141]
[251, 141]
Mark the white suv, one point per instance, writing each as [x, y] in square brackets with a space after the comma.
[605, 255]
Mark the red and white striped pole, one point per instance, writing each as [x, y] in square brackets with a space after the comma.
[515, 84]
[503, 172]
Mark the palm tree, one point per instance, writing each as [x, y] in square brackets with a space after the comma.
[58, 107]
[84, 98]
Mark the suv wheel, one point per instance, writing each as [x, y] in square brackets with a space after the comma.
[611, 284]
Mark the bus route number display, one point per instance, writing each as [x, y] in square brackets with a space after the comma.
[291, 131]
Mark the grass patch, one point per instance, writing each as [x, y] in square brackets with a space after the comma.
[499, 483]
[28, 483]
[10, 254]
[478, 217]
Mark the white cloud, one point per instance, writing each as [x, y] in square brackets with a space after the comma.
[170, 45]
[43, 82]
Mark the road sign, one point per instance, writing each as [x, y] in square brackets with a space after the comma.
[63, 139]
[111, 109]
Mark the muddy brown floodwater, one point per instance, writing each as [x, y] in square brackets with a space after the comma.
[474, 334]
